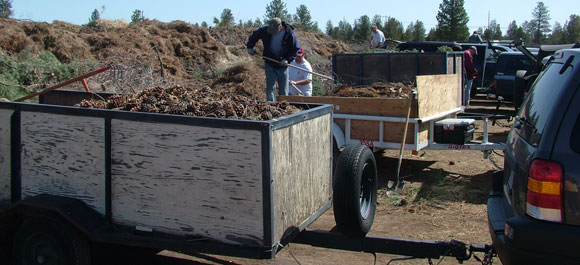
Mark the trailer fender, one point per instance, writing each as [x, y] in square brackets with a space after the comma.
[73, 211]
[338, 136]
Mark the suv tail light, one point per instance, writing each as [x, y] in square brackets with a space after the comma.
[544, 196]
[494, 86]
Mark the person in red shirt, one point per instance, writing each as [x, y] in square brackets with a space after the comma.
[470, 71]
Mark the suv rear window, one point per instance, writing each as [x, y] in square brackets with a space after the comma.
[543, 98]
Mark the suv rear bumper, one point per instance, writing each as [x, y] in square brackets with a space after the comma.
[534, 242]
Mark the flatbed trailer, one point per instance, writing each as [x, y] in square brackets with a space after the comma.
[73, 176]
[379, 122]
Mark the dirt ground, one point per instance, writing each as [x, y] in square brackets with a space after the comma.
[444, 198]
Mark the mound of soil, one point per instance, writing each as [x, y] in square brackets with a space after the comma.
[193, 102]
[376, 90]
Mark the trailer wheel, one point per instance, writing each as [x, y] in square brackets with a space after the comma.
[355, 191]
[47, 240]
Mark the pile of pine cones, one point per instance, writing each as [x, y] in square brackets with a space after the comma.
[193, 102]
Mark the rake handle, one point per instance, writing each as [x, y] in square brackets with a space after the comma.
[80, 78]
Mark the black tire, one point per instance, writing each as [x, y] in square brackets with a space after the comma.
[355, 191]
[48, 240]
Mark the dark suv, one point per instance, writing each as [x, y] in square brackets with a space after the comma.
[534, 208]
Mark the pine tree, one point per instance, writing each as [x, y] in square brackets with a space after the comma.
[329, 28]
[226, 18]
[277, 8]
[415, 31]
[95, 17]
[5, 8]
[540, 22]
[378, 21]
[452, 21]
[137, 16]
[303, 19]
[493, 32]
[572, 29]
[393, 29]
[362, 29]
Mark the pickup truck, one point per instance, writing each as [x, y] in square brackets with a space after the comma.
[534, 207]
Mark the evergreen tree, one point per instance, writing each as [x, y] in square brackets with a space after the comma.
[362, 29]
[452, 21]
[329, 28]
[540, 22]
[432, 35]
[393, 29]
[226, 18]
[493, 32]
[344, 31]
[95, 16]
[137, 16]
[277, 8]
[572, 29]
[5, 8]
[257, 22]
[514, 32]
[415, 31]
[204, 24]
[378, 21]
[303, 20]
[558, 35]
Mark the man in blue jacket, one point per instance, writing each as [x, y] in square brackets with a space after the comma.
[281, 46]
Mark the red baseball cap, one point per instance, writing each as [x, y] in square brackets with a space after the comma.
[300, 52]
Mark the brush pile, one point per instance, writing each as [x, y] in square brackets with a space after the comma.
[376, 90]
[194, 102]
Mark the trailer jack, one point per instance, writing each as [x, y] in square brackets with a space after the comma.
[411, 249]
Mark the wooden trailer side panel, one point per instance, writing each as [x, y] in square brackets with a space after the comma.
[388, 107]
[301, 172]
[188, 180]
[5, 158]
[443, 88]
[63, 155]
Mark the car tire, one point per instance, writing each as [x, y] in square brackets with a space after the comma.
[49, 240]
[355, 191]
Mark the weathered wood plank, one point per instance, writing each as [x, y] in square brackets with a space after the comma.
[188, 180]
[63, 155]
[302, 172]
[5, 153]
[390, 107]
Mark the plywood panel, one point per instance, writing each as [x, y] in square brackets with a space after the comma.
[375, 68]
[390, 107]
[5, 116]
[348, 69]
[403, 67]
[63, 155]
[302, 171]
[188, 180]
[437, 94]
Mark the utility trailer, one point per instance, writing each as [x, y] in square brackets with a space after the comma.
[379, 122]
[73, 176]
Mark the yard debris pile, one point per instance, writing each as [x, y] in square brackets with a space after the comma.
[194, 102]
[376, 90]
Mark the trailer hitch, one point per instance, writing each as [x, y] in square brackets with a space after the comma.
[411, 249]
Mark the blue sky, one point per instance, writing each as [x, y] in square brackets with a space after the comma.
[194, 11]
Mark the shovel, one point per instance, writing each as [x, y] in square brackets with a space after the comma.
[296, 67]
